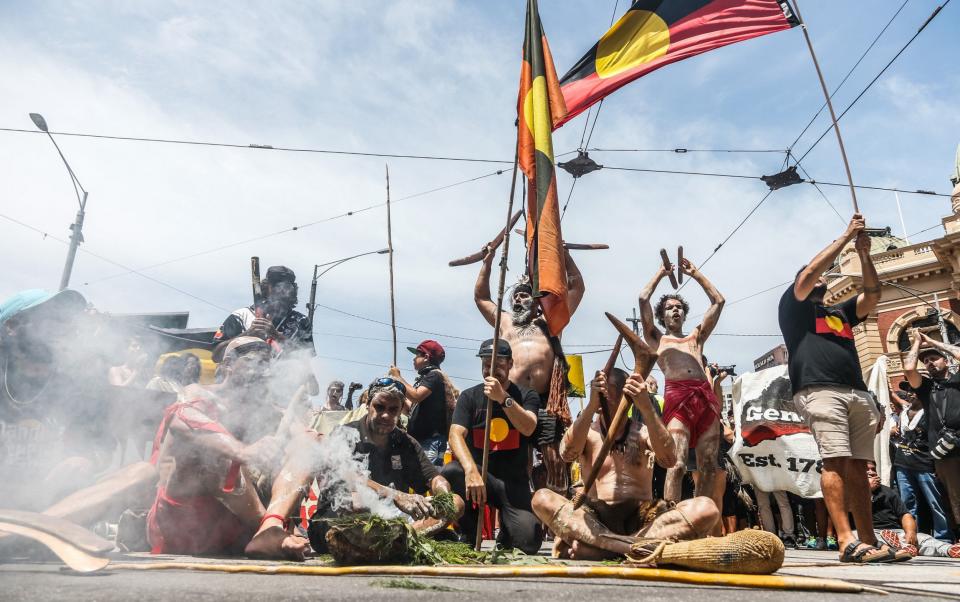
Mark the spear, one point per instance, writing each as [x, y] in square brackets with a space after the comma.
[643, 360]
[484, 464]
[393, 309]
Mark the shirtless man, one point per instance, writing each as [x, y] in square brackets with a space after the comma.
[620, 508]
[535, 354]
[198, 510]
[691, 411]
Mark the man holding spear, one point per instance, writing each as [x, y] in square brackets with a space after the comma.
[508, 428]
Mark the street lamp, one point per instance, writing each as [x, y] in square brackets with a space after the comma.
[312, 306]
[76, 228]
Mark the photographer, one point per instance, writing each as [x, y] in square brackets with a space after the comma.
[940, 396]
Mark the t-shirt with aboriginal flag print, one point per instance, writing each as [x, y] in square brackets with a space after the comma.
[820, 344]
[508, 447]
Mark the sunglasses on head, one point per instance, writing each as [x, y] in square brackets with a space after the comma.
[387, 383]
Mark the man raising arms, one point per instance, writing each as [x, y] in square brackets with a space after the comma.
[691, 411]
[538, 362]
[620, 508]
[829, 391]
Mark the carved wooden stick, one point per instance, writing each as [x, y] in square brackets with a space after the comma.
[643, 360]
[666, 265]
[493, 244]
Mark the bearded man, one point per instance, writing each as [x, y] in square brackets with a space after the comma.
[538, 360]
[691, 411]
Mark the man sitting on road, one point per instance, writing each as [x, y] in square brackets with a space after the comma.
[396, 462]
[894, 524]
[620, 509]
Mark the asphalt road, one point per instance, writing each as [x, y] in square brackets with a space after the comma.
[47, 581]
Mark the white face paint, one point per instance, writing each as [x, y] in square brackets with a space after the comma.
[524, 308]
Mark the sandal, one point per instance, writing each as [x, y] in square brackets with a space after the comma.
[897, 554]
[866, 555]
[902, 551]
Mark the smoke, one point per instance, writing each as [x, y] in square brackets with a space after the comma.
[343, 476]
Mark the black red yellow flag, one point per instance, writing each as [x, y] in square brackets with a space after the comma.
[654, 33]
[540, 109]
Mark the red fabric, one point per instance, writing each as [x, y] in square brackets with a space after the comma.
[695, 27]
[693, 403]
[198, 525]
[202, 405]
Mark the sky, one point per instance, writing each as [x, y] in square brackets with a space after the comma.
[440, 78]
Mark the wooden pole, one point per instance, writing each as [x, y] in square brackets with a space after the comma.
[484, 464]
[833, 115]
[393, 308]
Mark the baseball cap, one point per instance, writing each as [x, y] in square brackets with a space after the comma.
[929, 350]
[280, 273]
[503, 349]
[430, 348]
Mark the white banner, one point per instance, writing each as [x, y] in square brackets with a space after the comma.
[773, 448]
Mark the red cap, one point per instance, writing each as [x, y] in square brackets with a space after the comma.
[432, 349]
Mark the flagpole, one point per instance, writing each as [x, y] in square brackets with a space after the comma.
[833, 115]
[485, 462]
[393, 310]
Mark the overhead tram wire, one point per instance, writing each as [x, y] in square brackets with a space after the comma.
[820, 190]
[266, 147]
[683, 151]
[859, 96]
[847, 76]
[877, 76]
[112, 262]
[350, 213]
[584, 145]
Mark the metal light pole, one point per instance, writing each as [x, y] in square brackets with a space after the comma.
[312, 305]
[76, 228]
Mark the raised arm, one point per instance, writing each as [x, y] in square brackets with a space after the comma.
[809, 276]
[413, 394]
[910, 361]
[868, 299]
[575, 285]
[658, 438]
[712, 315]
[951, 350]
[650, 331]
[481, 290]
[575, 439]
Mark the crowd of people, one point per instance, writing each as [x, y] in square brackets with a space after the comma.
[248, 464]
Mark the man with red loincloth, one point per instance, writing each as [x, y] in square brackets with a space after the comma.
[206, 502]
[691, 411]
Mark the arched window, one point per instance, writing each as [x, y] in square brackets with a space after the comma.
[903, 341]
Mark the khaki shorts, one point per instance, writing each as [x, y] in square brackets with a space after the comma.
[843, 420]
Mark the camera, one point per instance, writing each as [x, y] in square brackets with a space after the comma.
[355, 386]
[947, 442]
[728, 369]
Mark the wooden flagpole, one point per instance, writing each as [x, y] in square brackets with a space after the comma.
[393, 308]
[484, 464]
[833, 115]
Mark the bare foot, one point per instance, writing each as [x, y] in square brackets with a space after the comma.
[276, 544]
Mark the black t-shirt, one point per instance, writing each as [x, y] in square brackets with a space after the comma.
[941, 402]
[819, 341]
[887, 509]
[295, 327]
[401, 465]
[912, 450]
[508, 447]
[429, 417]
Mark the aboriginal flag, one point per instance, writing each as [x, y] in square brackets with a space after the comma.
[540, 109]
[830, 322]
[654, 33]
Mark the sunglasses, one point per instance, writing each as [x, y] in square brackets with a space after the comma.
[387, 383]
